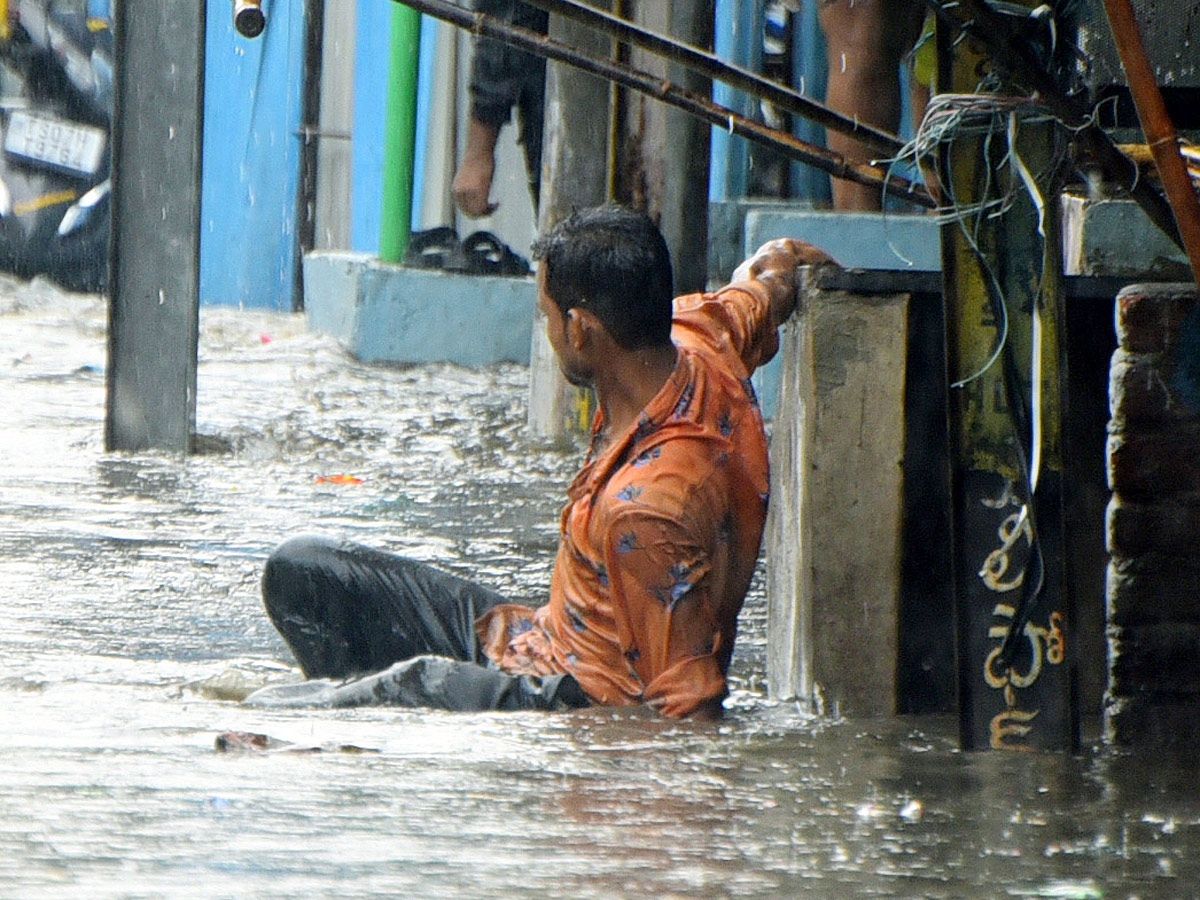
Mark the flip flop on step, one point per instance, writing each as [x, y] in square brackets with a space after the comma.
[431, 249]
[482, 253]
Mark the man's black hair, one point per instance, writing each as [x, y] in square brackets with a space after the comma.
[613, 262]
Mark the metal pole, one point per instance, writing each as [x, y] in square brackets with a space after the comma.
[154, 275]
[310, 118]
[399, 135]
[1003, 301]
[713, 67]
[660, 89]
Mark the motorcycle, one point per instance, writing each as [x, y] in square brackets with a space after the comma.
[55, 118]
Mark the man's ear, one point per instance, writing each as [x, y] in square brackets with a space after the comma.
[581, 327]
[574, 328]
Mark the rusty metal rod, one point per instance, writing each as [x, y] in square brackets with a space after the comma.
[976, 19]
[661, 89]
[717, 69]
[1158, 127]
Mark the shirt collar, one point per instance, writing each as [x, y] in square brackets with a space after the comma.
[656, 412]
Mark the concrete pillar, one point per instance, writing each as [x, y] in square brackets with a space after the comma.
[664, 154]
[575, 175]
[155, 244]
[1153, 531]
[834, 532]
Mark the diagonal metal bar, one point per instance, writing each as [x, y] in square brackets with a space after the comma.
[661, 89]
[714, 67]
[1157, 126]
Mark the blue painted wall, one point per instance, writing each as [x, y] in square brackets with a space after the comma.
[372, 30]
[252, 94]
[737, 38]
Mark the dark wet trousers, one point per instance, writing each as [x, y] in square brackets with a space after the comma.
[371, 628]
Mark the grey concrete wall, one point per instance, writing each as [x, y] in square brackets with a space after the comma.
[834, 533]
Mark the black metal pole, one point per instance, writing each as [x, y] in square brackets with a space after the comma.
[310, 117]
[154, 263]
[700, 107]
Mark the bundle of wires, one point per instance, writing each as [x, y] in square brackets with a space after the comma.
[952, 117]
[994, 121]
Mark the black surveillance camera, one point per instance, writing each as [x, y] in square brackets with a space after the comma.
[248, 18]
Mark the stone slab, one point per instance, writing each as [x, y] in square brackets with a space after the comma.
[1167, 726]
[1153, 318]
[1152, 589]
[834, 532]
[1158, 659]
[1167, 527]
[1114, 237]
[1155, 465]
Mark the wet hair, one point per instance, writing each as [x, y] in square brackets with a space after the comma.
[613, 262]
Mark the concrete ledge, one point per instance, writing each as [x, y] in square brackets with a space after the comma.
[856, 240]
[388, 313]
[1114, 237]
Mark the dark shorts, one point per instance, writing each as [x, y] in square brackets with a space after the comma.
[372, 628]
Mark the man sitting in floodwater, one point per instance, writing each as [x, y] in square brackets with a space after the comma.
[661, 530]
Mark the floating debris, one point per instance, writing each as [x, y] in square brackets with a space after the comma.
[252, 742]
[338, 479]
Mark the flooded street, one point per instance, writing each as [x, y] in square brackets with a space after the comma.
[132, 624]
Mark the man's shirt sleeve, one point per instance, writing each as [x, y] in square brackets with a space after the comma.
[735, 319]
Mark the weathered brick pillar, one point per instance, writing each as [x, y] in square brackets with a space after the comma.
[1153, 531]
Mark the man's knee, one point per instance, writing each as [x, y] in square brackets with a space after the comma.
[290, 560]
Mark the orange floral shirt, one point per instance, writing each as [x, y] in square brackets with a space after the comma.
[661, 530]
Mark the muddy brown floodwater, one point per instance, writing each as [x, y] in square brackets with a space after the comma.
[130, 624]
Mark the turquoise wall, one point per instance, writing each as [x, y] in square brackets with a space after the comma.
[372, 29]
[248, 220]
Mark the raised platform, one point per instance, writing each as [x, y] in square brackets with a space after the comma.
[388, 313]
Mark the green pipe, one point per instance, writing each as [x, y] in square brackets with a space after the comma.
[399, 133]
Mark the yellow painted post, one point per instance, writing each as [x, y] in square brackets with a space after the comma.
[1002, 287]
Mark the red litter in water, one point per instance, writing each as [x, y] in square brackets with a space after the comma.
[338, 479]
[265, 338]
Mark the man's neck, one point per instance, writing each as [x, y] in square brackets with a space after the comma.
[627, 385]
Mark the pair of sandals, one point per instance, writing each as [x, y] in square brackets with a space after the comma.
[481, 253]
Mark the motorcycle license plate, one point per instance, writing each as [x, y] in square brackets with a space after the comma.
[55, 142]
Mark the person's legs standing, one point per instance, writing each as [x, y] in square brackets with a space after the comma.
[865, 42]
